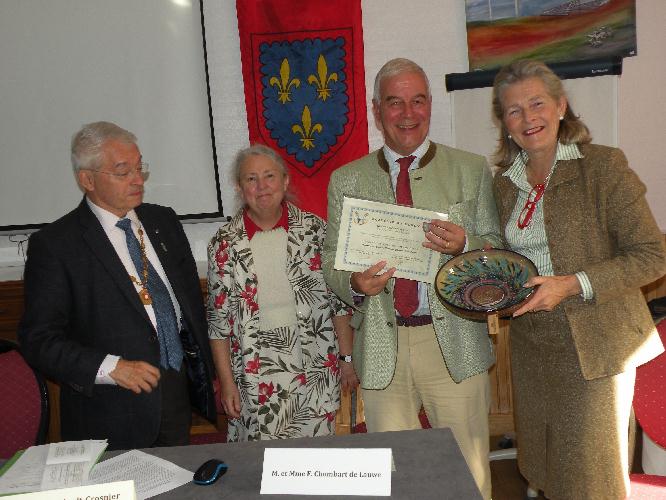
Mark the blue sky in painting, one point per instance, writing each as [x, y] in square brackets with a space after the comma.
[479, 10]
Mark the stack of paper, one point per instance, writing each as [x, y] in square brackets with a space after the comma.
[151, 475]
[51, 466]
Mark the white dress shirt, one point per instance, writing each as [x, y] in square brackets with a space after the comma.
[118, 241]
[532, 241]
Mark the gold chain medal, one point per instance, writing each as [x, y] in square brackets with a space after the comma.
[144, 295]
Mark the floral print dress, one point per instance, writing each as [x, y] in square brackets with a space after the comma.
[288, 378]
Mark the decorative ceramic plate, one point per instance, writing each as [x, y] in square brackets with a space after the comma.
[483, 282]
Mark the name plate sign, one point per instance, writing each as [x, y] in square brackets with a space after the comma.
[327, 471]
[119, 490]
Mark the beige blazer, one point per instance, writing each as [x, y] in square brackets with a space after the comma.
[447, 180]
[598, 221]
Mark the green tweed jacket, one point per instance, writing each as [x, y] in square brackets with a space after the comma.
[447, 180]
[598, 221]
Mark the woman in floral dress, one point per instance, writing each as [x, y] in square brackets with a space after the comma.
[276, 329]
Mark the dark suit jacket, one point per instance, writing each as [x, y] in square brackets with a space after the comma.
[80, 305]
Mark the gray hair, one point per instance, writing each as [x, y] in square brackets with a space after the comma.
[572, 129]
[261, 150]
[87, 143]
[396, 67]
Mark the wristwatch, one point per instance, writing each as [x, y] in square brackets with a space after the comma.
[347, 358]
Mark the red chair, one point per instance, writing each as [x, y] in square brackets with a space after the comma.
[647, 487]
[24, 402]
[650, 409]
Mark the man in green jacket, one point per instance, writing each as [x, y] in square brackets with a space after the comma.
[409, 350]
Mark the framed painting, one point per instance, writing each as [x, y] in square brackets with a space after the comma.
[500, 31]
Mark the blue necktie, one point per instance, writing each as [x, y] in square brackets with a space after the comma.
[171, 351]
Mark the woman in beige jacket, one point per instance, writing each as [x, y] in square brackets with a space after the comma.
[579, 212]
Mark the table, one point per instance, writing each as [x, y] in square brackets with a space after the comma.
[428, 465]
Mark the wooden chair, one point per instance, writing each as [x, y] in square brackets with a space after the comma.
[350, 414]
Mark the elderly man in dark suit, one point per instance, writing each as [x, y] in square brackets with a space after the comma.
[114, 310]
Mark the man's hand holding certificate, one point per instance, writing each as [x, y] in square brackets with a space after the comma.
[371, 232]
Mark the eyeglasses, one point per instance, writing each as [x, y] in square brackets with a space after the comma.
[126, 171]
[533, 198]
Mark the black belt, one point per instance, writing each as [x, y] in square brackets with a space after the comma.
[414, 320]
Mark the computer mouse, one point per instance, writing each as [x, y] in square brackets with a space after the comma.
[209, 472]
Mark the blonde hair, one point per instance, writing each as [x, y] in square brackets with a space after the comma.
[572, 130]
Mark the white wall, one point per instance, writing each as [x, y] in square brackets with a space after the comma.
[642, 105]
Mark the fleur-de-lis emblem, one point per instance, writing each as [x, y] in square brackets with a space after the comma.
[307, 130]
[322, 79]
[284, 84]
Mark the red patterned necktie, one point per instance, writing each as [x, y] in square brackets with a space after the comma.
[405, 292]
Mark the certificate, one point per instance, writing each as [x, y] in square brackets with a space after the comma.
[371, 231]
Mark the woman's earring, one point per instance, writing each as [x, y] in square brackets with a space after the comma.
[561, 118]
[509, 136]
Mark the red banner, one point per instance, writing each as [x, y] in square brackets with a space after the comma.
[305, 87]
